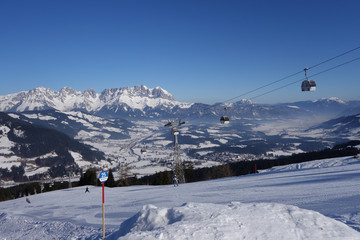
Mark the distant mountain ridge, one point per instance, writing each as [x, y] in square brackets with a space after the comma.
[144, 102]
[67, 99]
[343, 126]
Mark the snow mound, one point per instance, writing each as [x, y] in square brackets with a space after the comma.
[233, 221]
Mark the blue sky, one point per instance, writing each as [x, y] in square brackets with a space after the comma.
[200, 51]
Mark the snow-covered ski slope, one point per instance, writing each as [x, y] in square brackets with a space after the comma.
[314, 200]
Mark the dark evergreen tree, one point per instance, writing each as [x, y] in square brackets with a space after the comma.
[189, 171]
[111, 181]
[162, 178]
[89, 178]
[5, 194]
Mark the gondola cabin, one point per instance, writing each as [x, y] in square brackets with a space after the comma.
[308, 85]
[225, 120]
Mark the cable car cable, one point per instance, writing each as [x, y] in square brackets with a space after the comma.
[291, 75]
[330, 59]
[329, 69]
[269, 84]
[342, 64]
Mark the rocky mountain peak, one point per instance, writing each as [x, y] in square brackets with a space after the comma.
[90, 93]
[137, 91]
[67, 91]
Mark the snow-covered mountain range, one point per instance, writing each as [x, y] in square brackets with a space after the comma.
[144, 102]
[114, 100]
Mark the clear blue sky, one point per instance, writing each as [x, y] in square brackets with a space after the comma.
[200, 51]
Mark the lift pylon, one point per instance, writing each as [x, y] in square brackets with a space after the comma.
[178, 166]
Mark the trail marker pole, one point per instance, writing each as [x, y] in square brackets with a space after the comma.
[103, 177]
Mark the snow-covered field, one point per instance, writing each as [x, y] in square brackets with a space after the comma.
[314, 200]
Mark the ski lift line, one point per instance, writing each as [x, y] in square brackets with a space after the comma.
[289, 84]
[294, 74]
[330, 59]
[339, 65]
[269, 84]
[327, 70]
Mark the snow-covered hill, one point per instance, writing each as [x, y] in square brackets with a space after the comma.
[78, 125]
[317, 200]
[348, 126]
[30, 151]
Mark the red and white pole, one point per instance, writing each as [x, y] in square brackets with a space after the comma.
[103, 207]
[103, 177]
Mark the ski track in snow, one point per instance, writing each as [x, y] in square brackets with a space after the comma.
[312, 200]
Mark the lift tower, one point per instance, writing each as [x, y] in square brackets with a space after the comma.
[177, 166]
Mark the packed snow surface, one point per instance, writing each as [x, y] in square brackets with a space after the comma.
[314, 200]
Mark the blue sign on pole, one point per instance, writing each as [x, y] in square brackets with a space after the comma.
[103, 176]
